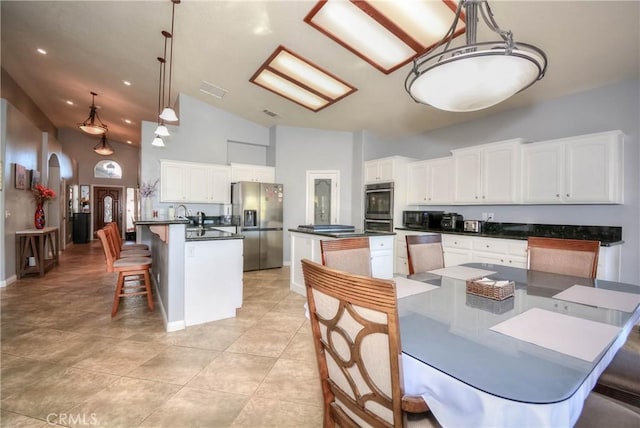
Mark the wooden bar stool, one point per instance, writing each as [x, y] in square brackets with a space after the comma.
[118, 250]
[133, 274]
[118, 239]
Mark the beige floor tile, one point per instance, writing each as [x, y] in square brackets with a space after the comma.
[301, 346]
[281, 322]
[236, 373]
[198, 408]
[126, 402]
[292, 380]
[121, 358]
[14, 420]
[175, 365]
[261, 341]
[272, 413]
[57, 393]
[209, 337]
[20, 373]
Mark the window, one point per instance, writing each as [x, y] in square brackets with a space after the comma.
[107, 169]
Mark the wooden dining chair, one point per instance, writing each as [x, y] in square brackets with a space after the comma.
[621, 379]
[424, 253]
[133, 274]
[600, 411]
[573, 257]
[351, 255]
[354, 320]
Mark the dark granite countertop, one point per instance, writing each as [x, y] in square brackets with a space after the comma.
[607, 235]
[209, 234]
[355, 234]
[159, 222]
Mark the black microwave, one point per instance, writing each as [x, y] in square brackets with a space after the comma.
[422, 219]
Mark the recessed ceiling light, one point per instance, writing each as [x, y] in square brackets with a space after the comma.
[128, 121]
[300, 81]
[42, 51]
[129, 142]
[69, 102]
[126, 82]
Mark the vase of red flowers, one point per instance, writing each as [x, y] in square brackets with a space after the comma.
[41, 194]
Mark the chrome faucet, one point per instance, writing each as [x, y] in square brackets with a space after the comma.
[184, 216]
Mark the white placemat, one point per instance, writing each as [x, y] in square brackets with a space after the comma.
[600, 297]
[406, 287]
[462, 272]
[580, 338]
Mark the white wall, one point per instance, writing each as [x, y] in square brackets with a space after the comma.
[302, 149]
[606, 108]
[201, 136]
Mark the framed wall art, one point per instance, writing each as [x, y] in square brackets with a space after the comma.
[35, 178]
[21, 177]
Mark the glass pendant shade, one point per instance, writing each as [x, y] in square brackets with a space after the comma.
[162, 131]
[169, 115]
[103, 148]
[477, 75]
[157, 142]
[89, 125]
[475, 81]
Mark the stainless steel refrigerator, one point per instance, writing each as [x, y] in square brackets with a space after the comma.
[259, 206]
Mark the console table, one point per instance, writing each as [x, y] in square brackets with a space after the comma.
[40, 244]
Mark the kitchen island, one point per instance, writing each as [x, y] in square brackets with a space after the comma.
[197, 271]
[305, 244]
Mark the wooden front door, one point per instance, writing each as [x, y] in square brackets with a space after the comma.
[107, 207]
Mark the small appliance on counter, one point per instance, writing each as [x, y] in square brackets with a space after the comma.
[452, 221]
[422, 219]
[474, 226]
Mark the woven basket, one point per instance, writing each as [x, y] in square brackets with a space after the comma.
[489, 290]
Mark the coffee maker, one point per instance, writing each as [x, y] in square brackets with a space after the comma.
[452, 221]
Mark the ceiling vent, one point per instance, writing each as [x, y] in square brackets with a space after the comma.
[270, 113]
[213, 90]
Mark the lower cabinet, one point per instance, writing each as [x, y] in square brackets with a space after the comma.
[401, 262]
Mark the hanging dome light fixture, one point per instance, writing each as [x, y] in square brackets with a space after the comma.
[103, 147]
[89, 125]
[168, 114]
[477, 75]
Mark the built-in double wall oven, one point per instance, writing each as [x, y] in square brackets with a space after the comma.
[378, 207]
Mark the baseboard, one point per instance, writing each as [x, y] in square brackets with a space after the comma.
[8, 281]
[168, 326]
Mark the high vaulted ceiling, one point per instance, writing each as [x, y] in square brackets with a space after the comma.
[95, 45]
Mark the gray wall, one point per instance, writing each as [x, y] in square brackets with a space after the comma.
[606, 108]
[302, 149]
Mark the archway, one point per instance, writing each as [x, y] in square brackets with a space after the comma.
[55, 207]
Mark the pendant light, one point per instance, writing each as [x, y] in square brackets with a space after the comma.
[103, 147]
[89, 125]
[477, 75]
[161, 130]
[168, 114]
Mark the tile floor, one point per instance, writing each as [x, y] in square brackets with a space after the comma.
[65, 361]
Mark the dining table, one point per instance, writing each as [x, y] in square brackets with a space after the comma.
[528, 360]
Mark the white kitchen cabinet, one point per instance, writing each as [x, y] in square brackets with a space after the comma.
[456, 249]
[487, 174]
[380, 170]
[429, 182]
[194, 182]
[586, 169]
[507, 252]
[249, 172]
[174, 181]
[381, 256]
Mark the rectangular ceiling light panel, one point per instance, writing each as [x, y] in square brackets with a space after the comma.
[300, 81]
[387, 34]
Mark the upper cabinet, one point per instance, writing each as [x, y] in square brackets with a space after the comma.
[487, 174]
[586, 169]
[379, 170]
[194, 182]
[248, 172]
[429, 182]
